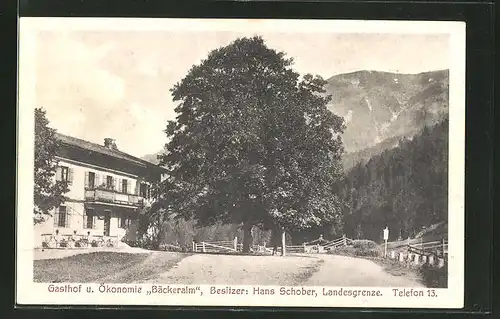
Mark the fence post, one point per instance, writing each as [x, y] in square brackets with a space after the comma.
[401, 257]
[417, 259]
[193, 245]
[235, 243]
[440, 263]
[283, 244]
[431, 260]
[345, 239]
[203, 245]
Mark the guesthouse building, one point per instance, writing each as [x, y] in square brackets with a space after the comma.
[108, 190]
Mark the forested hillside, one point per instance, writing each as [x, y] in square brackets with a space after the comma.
[405, 188]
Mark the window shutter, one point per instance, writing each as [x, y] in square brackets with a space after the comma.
[115, 183]
[129, 186]
[86, 179]
[98, 179]
[94, 221]
[119, 221]
[56, 217]
[70, 176]
[58, 173]
[119, 183]
[85, 218]
[68, 217]
[137, 185]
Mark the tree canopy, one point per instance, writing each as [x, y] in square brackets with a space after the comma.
[253, 142]
[48, 193]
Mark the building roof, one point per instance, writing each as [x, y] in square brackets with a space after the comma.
[73, 141]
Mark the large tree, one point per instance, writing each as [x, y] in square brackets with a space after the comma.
[48, 193]
[253, 143]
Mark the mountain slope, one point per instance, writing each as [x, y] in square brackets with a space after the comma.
[380, 106]
[152, 158]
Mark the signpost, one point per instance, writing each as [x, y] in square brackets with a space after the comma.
[283, 244]
[386, 237]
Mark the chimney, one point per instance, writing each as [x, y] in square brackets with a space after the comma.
[110, 143]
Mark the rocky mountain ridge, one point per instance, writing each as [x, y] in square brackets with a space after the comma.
[380, 108]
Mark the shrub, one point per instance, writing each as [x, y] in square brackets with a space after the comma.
[63, 243]
[131, 243]
[172, 249]
[361, 248]
[367, 248]
[94, 244]
[435, 277]
[364, 244]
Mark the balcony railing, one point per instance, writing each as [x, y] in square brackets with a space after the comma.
[111, 196]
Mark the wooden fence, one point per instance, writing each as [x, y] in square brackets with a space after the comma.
[234, 246]
[436, 248]
[343, 241]
[431, 253]
[216, 246]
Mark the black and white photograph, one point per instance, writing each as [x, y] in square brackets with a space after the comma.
[241, 162]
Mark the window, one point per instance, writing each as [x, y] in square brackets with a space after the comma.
[124, 222]
[89, 218]
[144, 190]
[61, 218]
[124, 186]
[91, 180]
[109, 182]
[64, 173]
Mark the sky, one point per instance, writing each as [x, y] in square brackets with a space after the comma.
[98, 84]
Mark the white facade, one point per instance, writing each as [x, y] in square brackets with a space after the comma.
[102, 203]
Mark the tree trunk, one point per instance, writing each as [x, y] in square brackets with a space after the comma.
[247, 236]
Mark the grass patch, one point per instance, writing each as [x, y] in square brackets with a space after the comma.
[359, 248]
[149, 269]
[395, 268]
[85, 267]
[434, 277]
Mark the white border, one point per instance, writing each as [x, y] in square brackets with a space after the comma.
[28, 292]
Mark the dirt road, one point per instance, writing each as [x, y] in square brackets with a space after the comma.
[324, 270]
[348, 271]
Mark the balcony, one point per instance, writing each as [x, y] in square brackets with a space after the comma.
[113, 197]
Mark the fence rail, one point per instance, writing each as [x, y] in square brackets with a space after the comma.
[216, 246]
[433, 253]
[234, 246]
[436, 248]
